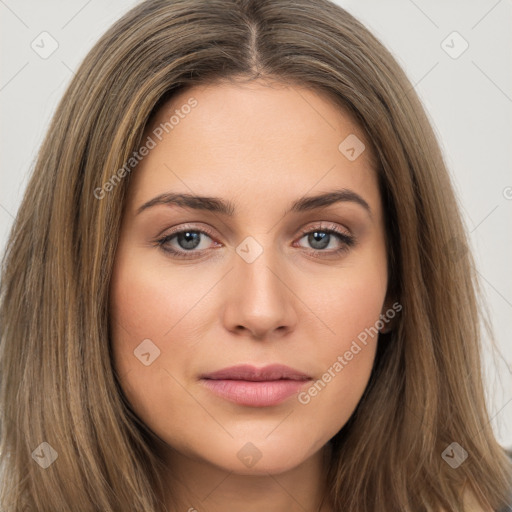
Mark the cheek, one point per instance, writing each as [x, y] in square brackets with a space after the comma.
[142, 309]
[145, 298]
[150, 305]
[350, 306]
[149, 301]
[349, 300]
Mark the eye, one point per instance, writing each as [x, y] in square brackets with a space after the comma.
[319, 238]
[187, 241]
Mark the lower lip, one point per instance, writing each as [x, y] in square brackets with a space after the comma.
[255, 394]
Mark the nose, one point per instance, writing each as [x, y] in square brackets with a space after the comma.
[260, 302]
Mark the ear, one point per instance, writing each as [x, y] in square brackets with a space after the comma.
[389, 314]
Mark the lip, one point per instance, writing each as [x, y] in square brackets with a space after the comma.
[255, 387]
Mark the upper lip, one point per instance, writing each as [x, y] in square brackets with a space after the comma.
[252, 373]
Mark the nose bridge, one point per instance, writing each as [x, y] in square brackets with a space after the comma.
[258, 263]
[258, 298]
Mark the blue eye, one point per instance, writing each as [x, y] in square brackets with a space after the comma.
[320, 238]
[188, 240]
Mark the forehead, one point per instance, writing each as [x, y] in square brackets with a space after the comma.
[253, 140]
[279, 109]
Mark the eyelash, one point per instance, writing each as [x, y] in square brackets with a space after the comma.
[347, 240]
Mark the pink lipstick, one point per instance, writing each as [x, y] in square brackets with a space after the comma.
[255, 387]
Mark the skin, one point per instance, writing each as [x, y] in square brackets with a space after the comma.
[261, 146]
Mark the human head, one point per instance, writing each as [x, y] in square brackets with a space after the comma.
[266, 293]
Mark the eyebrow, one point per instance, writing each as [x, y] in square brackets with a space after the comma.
[224, 207]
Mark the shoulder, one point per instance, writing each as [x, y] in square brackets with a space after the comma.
[470, 502]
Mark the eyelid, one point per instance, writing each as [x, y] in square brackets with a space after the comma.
[189, 227]
[345, 237]
[325, 226]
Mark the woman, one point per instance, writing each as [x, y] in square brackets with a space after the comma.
[235, 280]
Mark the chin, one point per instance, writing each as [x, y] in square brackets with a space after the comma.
[259, 458]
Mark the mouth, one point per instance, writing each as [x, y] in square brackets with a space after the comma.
[255, 387]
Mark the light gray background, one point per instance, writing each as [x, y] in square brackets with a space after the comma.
[468, 98]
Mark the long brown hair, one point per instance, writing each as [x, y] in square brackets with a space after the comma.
[57, 384]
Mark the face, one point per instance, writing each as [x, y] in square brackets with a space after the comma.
[258, 275]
